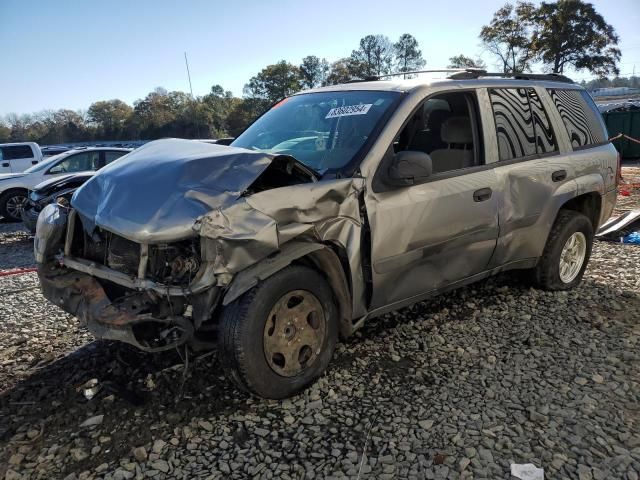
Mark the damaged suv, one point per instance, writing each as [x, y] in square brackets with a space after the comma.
[337, 205]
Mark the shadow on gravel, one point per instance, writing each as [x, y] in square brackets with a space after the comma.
[141, 395]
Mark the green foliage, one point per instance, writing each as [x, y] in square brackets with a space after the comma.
[559, 34]
[274, 82]
[341, 71]
[604, 82]
[462, 61]
[5, 133]
[508, 36]
[572, 33]
[408, 57]
[374, 57]
[313, 72]
[110, 118]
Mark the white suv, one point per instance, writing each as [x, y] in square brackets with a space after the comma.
[14, 187]
[17, 157]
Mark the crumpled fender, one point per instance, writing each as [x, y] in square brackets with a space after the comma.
[256, 227]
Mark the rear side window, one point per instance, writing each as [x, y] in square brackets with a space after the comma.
[16, 152]
[523, 127]
[581, 117]
[110, 156]
[545, 140]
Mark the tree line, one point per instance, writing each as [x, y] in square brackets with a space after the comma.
[554, 35]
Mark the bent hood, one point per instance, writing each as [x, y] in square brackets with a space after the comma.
[50, 186]
[156, 193]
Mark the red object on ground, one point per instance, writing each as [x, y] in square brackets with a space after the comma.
[17, 271]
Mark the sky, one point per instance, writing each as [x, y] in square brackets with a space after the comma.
[68, 54]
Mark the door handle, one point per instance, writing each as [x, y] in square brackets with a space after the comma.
[5, 164]
[482, 195]
[34, 162]
[559, 175]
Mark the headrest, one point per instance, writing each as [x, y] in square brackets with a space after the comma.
[437, 118]
[456, 130]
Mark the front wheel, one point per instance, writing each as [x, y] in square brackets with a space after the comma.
[566, 253]
[278, 337]
[12, 203]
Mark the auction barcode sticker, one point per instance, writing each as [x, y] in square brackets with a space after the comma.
[349, 110]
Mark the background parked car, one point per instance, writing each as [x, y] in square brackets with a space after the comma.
[49, 191]
[17, 157]
[14, 187]
[51, 151]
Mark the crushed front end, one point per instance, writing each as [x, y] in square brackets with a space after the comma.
[153, 247]
[154, 297]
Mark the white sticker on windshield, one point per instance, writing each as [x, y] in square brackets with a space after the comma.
[349, 110]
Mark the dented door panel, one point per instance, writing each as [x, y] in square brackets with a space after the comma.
[528, 203]
[427, 236]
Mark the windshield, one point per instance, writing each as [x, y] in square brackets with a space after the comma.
[44, 164]
[322, 130]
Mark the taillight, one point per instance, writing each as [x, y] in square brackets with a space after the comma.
[619, 170]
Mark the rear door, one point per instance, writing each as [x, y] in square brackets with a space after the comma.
[534, 168]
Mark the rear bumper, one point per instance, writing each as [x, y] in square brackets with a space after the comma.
[608, 205]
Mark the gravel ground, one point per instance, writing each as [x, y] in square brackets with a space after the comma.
[457, 387]
[16, 246]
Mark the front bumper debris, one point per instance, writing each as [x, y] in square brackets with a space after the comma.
[82, 296]
[145, 314]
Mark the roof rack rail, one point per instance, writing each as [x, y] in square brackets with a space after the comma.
[470, 73]
[413, 72]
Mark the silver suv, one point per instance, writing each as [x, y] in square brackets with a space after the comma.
[336, 206]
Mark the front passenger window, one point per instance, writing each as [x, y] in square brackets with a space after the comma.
[446, 128]
[79, 162]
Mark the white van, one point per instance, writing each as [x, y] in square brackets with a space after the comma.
[17, 157]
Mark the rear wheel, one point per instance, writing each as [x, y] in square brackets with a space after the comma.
[566, 253]
[12, 203]
[279, 336]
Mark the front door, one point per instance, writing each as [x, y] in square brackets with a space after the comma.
[428, 236]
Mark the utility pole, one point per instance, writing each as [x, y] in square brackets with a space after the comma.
[193, 100]
[186, 62]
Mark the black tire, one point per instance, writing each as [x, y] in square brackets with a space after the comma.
[546, 274]
[5, 209]
[242, 326]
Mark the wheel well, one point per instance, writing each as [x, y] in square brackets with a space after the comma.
[332, 264]
[588, 204]
[13, 190]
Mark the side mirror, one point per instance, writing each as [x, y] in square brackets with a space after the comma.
[409, 167]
